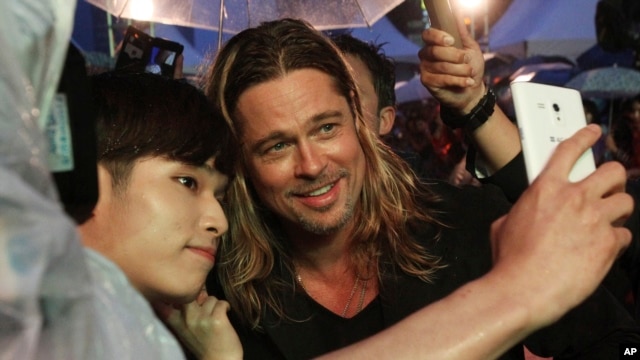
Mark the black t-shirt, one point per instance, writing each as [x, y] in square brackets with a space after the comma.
[591, 331]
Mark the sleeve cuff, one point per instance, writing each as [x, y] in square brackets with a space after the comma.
[512, 178]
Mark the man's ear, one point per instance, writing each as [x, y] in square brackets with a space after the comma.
[387, 118]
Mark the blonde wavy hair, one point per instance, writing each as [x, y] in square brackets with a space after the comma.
[390, 200]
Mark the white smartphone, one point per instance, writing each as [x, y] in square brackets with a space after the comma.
[546, 115]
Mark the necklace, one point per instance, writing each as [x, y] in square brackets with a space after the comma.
[353, 292]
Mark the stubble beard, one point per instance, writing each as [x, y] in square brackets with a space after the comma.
[309, 224]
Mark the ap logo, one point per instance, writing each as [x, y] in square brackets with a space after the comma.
[629, 351]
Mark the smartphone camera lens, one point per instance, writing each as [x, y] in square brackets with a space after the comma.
[556, 108]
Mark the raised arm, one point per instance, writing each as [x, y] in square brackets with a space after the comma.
[455, 78]
[550, 252]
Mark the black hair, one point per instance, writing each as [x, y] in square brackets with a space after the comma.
[142, 114]
[382, 68]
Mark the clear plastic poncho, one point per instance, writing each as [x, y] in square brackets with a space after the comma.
[57, 301]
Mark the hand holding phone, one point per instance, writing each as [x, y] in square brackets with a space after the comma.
[546, 115]
[441, 17]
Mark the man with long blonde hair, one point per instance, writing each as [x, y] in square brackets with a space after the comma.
[332, 237]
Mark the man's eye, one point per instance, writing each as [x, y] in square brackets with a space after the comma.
[188, 182]
[327, 127]
[278, 147]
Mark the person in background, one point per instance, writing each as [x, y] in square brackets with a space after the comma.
[374, 74]
[375, 77]
[334, 239]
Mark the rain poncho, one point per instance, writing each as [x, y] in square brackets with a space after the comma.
[57, 300]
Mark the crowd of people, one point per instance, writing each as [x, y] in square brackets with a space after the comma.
[419, 129]
[440, 150]
[326, 241]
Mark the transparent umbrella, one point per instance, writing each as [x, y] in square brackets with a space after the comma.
[233, 16]
[607, 83]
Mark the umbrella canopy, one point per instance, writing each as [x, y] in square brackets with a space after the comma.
[552, 73]
[545, 27]
[607, 82]
[236, 15]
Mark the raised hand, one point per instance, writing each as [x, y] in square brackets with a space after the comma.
[563, 236]
[203, 327]
[452, 75]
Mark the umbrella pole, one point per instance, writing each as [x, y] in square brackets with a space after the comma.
[112, 45]
[363, 14]
[220, 23]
